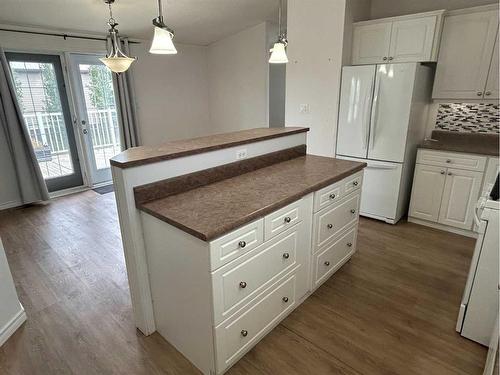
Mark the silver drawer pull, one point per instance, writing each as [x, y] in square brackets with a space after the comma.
[384, 58]
[286, 255]
[329, 226]
[288, 219]
[355, 183]
[285, 299]
[448, 160]
[244, 332]
[487, 93]
[449, 173]
[479, 93]
[442, 172]
[332, 196]
[242, 244]
[353, 211]
[349, 244]
[243, 284]
[327, 263]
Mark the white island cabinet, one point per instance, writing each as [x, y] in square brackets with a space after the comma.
[218, 249]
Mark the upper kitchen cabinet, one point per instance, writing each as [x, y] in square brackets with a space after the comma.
[411, 38]
[468, 57]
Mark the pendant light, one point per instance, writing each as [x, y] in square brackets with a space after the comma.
[162, 40]
[278, 52]
[115, 60]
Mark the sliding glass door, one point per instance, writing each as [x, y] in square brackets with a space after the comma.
[94, 94]
[41, 93]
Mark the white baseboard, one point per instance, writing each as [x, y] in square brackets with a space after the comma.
[463, 232]
[11, 204]
[11, 326]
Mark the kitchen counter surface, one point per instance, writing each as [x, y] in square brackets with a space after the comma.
[472, 143]
[212, 210]
[136, 156]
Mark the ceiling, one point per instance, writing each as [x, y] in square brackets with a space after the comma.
[194, 21]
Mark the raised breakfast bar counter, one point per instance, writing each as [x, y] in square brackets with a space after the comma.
[222, 242]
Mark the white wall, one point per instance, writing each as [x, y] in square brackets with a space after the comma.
[389, 8]
[315, 31]
[238, 80]
[11, 312]
[171, 94]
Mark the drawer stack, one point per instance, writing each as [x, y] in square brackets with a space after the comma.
[335, 227]
[260, 280]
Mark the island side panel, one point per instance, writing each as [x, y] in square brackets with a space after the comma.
[179, 272]
[130, 222]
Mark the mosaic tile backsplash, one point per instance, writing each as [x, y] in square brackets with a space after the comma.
[468, 118]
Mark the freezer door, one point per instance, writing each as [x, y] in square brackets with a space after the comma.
[391, 111]
[380, 190]
[354, 112]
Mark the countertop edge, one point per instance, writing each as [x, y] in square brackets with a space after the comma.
[158, 158]
[257, 214]
[448, 148]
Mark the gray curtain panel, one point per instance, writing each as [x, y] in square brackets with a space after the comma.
[125, 101]
[30, 180]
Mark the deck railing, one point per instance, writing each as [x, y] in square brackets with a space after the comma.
[48, 130]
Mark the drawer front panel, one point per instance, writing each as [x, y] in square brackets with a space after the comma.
[247, 277]
[333, 256]
[330, 222]
[236, 337]
[236, 243]
[452, 160]
[352, 183]
[283, 219]
[328, 195]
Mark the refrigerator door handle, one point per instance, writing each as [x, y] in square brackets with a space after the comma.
[366, 114]
[373, 119]
[386, 167]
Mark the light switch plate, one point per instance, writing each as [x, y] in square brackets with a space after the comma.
[241, 154]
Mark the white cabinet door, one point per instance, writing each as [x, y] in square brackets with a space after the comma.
[412, 40]
[355, 108]
[370, 43]
[492, 83]
[461, 191]
[428, 184]
[465, 55]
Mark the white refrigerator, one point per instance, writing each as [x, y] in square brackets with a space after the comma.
[382, 118]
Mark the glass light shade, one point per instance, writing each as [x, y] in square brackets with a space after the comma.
[117, 64]
[278, 54]
[162, 42]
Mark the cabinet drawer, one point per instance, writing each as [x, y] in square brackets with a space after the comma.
[235, 337]
[335, 192]
[333, 256]
[283, 219]
[330, 222]
[238, 242]
[453, 160]
[234, 285]
[352, 183]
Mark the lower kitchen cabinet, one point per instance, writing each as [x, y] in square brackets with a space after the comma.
[461, 191]
[445, 192]
[214, 300]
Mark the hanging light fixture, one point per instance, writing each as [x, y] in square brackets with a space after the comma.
[278, 52]
[162, 40]
[115, 60]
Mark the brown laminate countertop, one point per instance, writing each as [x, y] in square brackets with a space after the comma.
[212, 210]
[471, 143]
[170, 150]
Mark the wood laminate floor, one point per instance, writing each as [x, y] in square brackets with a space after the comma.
[390, 310]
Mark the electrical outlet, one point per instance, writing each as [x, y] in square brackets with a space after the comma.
[304, 108]
[241, 154]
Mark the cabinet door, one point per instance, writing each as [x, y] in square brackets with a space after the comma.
[492, 83]
[411, 40]
[465, 55]
[370, 43]
[461, 191]
[428, 184]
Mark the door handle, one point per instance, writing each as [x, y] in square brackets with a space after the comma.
[85, 131]
[373, 119]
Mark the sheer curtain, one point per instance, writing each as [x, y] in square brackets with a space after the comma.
[29, 178]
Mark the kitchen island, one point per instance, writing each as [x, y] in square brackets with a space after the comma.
[225, 235]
